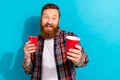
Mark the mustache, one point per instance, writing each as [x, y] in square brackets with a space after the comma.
[48, 24]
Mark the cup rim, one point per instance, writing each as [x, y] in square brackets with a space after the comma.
[72, 38]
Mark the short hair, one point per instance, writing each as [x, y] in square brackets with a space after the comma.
[50, 6]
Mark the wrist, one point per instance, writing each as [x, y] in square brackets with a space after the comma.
[81, 61]
[28, 59]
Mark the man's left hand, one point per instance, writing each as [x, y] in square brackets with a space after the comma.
[75, 54]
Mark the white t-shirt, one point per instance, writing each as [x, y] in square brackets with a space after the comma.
[49, 71]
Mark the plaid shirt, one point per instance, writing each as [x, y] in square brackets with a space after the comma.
[65, 67]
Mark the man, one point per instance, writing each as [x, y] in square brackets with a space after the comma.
[50, 62]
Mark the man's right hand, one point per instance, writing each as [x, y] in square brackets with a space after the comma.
[29, 49]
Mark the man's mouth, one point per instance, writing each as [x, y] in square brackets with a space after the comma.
[48, 26]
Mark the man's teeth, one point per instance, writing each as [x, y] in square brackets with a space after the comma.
[48, 26]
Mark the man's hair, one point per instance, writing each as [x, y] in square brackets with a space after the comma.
[50, 6]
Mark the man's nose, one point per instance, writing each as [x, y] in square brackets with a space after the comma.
[49, 21]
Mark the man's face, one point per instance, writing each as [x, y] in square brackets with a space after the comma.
[49, 23]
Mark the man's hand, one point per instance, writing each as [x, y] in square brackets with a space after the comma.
[75, 54]
[29, 49]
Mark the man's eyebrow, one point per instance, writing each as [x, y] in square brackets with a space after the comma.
[54, 15]
[44, 14]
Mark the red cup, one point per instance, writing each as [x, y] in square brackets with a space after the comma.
[33, 39]
[71, 41]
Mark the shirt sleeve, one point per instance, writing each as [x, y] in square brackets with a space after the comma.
[83, 60]
[27, 69]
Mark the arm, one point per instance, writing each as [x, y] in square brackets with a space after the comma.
[29, 49]
[83, 59]
[27, 66]
[78, 56]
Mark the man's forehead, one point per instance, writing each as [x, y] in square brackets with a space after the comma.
[50, 11]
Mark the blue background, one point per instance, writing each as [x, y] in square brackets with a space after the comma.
[96, 22]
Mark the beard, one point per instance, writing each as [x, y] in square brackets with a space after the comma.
[48, 33]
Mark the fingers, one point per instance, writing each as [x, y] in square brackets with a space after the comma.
[29, 48]
[78, 47]
[74, 54]
[73, 57]
[30, 52]
[75, 51]
[28, 44]
[74, 60]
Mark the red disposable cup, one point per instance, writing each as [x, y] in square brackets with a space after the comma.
[33, 39]
[71, 41]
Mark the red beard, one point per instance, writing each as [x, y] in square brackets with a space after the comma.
[48, 33]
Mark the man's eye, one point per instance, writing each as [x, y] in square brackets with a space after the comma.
[45, 17]
[53, 18]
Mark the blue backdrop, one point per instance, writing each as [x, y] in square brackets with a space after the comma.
[97, 23]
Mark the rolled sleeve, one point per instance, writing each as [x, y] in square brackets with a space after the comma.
[83, 60]
[27, 69]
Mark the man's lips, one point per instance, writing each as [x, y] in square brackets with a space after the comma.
[48, 27]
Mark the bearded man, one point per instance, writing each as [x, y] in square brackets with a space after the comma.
[50, 61]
